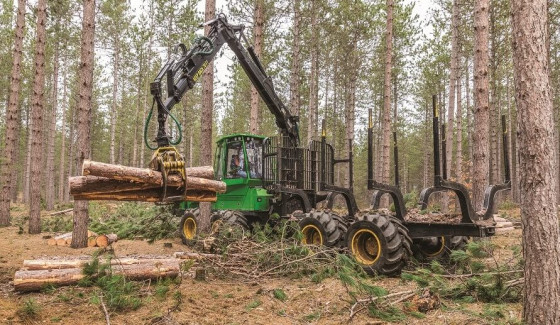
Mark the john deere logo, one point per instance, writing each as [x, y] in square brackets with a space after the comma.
[200, 71]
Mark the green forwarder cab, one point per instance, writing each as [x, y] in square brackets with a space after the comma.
[238, 161]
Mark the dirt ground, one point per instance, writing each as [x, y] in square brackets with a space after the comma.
[219, 300]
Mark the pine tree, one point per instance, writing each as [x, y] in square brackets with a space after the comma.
[81, 216]
[12, 119]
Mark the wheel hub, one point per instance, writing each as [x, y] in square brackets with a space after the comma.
[312, 235]
[189, 228]
[366, 247]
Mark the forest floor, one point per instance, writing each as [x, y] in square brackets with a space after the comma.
[222, 299]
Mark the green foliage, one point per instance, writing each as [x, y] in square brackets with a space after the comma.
[481, 281]
[117, 293]
[135, 219]
[411, 199]
[312, 317]
[29, 310]
[253, 304]
[279, 294]
[508, 205]
[388, 314]
[59, 223]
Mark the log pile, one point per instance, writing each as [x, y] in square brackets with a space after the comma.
[101, 181]
[94, 240]
[35, 274]
[503, 225]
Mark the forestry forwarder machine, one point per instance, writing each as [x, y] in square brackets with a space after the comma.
[268, 176]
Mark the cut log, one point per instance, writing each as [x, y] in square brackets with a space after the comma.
[60, 212]
[106, 240]
[51, 242]
[91, 242]
[46, 264]
[146, 175]
[34, 280]
[61, 242]
[64, 236]
[153, 195]
[195, 256]
[68, 241]
[98, 185]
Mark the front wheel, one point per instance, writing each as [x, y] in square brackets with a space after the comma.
[438, 248]
[188, 227]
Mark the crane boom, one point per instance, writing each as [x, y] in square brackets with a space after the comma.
[183, 72]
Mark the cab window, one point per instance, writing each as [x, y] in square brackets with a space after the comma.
[253, 147]
[235, 160]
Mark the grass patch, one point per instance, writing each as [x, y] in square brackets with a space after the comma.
[279, 294]
[29, 310]
[253, 304]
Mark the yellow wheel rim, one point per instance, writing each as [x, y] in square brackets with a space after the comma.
[366, 247]
[312, 235]
[189, 228]
[216, 226]
[439, 249]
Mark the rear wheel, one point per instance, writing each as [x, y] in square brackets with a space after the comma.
[320, 228]
[438, 248]
[188, 226]
[379, 243]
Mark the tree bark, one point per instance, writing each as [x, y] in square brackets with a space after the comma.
[81, 217]
[37, 116]
[493, 103]
[36, 279]
[459, 131]
[50, 188]
[452, 82]
[145, 175]
[12, 119]
[149, 195]
[539, 213]
[206, 117]
[481, 110]
[61, 182]
[114, 107]
[386, 159]
[313, 75]
[295, 67]
[95, 185]
[258, 23]
[78, 263]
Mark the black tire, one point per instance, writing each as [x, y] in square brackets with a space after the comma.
[379, 243]
[188, 226]
[438, 248]
[236, 218]
[320, 228]
[216, 220]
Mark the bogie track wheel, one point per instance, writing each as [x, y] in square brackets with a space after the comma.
[379, 244]
[188, 226]
[438, 248]
[320, 228]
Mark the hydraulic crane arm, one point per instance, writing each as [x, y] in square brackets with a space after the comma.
[183, 72]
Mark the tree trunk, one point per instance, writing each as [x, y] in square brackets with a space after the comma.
[295, 67]
[313, 80]
[350, 121]
[452, 82]
[481, 110]
[81, 217]
[50, 188]
[206, 117]
[258, 22]
[539, 213]
[37, 117]
[493, 108]
[36, 279]
[114, 107]
[10, 150]
[81, 261]
[385, 160]
[150, 195]
[145, 175]
[71, 160]
[459, 131]
[61, 182]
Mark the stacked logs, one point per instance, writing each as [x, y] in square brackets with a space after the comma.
[101, 181]
[35, 274]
